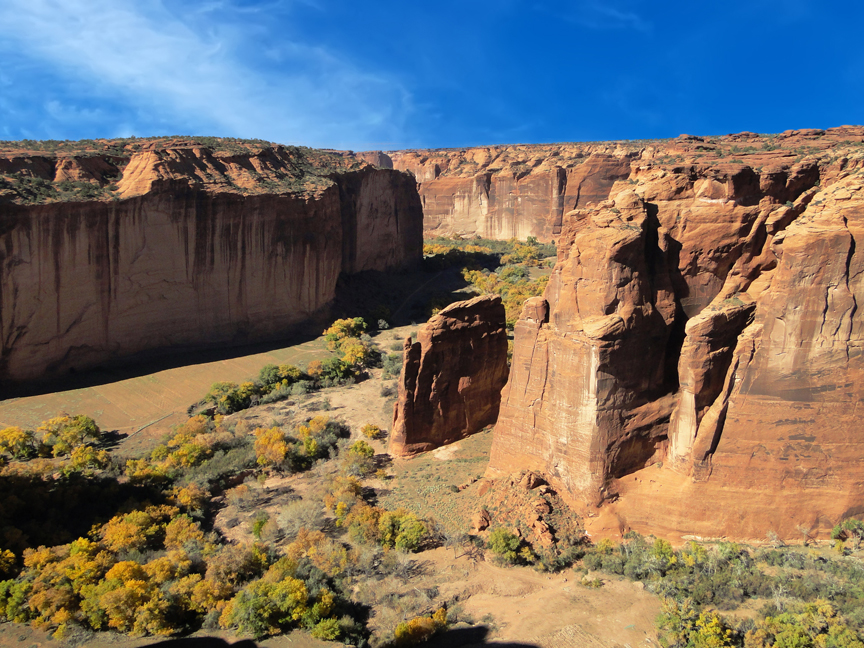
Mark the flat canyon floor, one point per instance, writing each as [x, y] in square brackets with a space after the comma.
[516, 607]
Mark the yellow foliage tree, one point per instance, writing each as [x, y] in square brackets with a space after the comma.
[420, 628]
[271, 447]
[18, 443]
[344, 328]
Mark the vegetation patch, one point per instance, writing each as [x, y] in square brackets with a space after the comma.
[809, 597]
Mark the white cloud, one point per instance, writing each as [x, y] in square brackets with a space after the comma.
[194, 68]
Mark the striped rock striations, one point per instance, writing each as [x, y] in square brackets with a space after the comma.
[695, 365]
[451, 380]
[511, 191]
[164, 244]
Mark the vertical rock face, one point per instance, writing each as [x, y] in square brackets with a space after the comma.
[694, 367]
[451, 376]
[193, 248]
[510, 191]
[591, 354]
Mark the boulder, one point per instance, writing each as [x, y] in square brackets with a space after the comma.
[481, 521]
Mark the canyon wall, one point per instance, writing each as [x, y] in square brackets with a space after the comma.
[451, 379]
[174, 244]
[511, 191]
[694, 367]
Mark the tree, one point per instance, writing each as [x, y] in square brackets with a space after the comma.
[65, 433]
[420, 628]
[677, 620]
[85, 459]
[504, 544]
[358, 461]
[271, 447]
[344, 328]
[412, 532]
[401, 530]
[18, 443]
[262, 607]
[371, 431]
[712, 631]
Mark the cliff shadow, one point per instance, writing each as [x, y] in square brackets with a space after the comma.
[158, 360]
[68, 506]
[400, 298]
[472, 637]
[203, 642]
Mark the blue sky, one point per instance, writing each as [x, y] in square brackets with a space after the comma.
[378, 74]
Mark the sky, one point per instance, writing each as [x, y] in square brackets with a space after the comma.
[377, 74]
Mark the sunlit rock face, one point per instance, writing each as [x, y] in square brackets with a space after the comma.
[183, 246]
[511, 191]
[694, 367]
[452, 375]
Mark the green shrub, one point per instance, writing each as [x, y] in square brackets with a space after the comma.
[392, 364]
[505, 545]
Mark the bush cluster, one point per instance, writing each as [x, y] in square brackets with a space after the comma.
[346, 337]
[201, 450]
[61, 436]
[368, 524]
[315, 439]
[512, 283]
[154, 571]
[392, 364]
[815, 600]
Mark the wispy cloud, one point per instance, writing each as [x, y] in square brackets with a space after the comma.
[201, 68]
[598, 16]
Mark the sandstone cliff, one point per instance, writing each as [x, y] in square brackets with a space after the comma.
[452, 376]
[694, 366]
[511, 191]
[162, 244]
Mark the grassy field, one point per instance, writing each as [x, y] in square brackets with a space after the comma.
[424, 484]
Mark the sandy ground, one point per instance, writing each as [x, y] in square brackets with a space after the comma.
[152, 402]
[144, 408]
[550, 611]
[510, 606]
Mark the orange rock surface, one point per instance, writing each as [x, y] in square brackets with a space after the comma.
[695, 365]
[452, 376]
[177, 244]
[510, 191]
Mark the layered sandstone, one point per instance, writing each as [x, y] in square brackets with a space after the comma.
[452, 376]
[694, 365]
[524, 190]
[511, 191]
[175, 244]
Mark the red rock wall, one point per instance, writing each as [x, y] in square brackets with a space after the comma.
[452, 376]
[177, 262]
[693, 368]
[507, 192]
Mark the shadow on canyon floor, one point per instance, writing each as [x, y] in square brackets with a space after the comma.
[474, 637]
[203, 642]
[398, 298]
